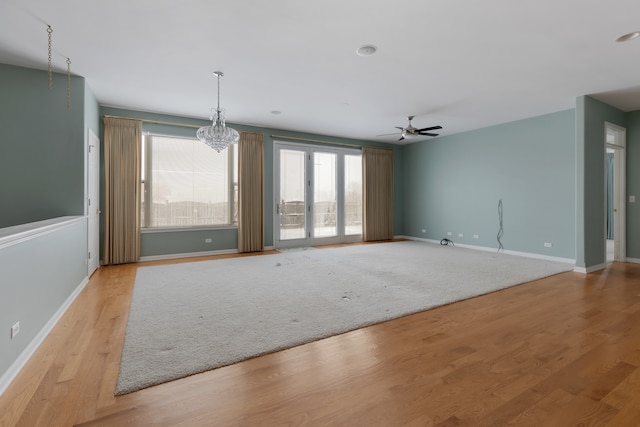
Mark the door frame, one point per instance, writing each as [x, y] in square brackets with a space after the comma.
[309, 150]
[620, 190]
[92, 203]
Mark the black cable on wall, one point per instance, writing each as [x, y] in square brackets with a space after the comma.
[500, 230]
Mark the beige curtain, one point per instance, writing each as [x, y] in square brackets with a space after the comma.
[122, 190]
[250, 192]
[377, 183]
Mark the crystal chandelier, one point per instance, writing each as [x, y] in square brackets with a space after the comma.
[218, 136]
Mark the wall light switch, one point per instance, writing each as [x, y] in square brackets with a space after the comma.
[460, 235]
[424, 230]
[632, 199]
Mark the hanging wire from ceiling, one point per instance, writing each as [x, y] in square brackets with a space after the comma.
[501, 230]
[50, 69]
[68, 84]
[49, 72]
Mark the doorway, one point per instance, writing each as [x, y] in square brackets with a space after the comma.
[615, 193]
[317, 195]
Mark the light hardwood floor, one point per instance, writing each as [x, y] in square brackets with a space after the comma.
[562, 351]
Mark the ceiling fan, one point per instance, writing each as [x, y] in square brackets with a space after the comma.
[411, 131]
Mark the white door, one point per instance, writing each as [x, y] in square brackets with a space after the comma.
[93, 202]
[619, 246]
[325, 209]
[318, 195]
[290, 217]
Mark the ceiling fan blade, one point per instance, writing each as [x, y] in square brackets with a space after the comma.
[389, 134]
[428, 134]
[431, 128]
[398, 127]
[401, 138]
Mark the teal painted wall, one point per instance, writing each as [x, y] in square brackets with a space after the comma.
[633, 184]
[591, 116]
[453, 183]
[41, 146]
[36, 278]
[42, 176]
[183, 242]
[177, 242]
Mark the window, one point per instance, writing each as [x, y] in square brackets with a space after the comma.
[353, 194]
[187, 184]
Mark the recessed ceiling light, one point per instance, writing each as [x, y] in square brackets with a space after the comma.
[628, 36]
[276, 112]
[366, 50]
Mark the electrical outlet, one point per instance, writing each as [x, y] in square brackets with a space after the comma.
[449, 233]
[632, 199]
[424, 230]
[15, 330]
[460, 235]
[207, 240]
[475, 236]
[548, 245]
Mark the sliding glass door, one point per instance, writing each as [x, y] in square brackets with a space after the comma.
[353, 195]
[291, 201]
[325, 198]
[317, 195]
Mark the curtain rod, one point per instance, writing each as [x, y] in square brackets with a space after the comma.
[158, 122]
[315, 140]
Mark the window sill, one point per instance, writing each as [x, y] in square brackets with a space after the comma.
[182, 229]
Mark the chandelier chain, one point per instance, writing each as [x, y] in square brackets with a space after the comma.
[49, 72]
[219, 74]
[68, 84]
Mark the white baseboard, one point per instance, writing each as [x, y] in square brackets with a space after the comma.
[633, 260]
[486, 249]
[15, 368]
[188, 255]
[193, 254]
[587, 270]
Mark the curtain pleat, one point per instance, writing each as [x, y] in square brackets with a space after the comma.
[377, 183]
[122, 190]
[250, 192]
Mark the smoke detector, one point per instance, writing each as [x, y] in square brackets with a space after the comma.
[366, 50]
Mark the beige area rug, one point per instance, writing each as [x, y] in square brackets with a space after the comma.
[193, 317]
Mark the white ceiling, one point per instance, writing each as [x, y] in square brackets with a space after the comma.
[460, 64]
